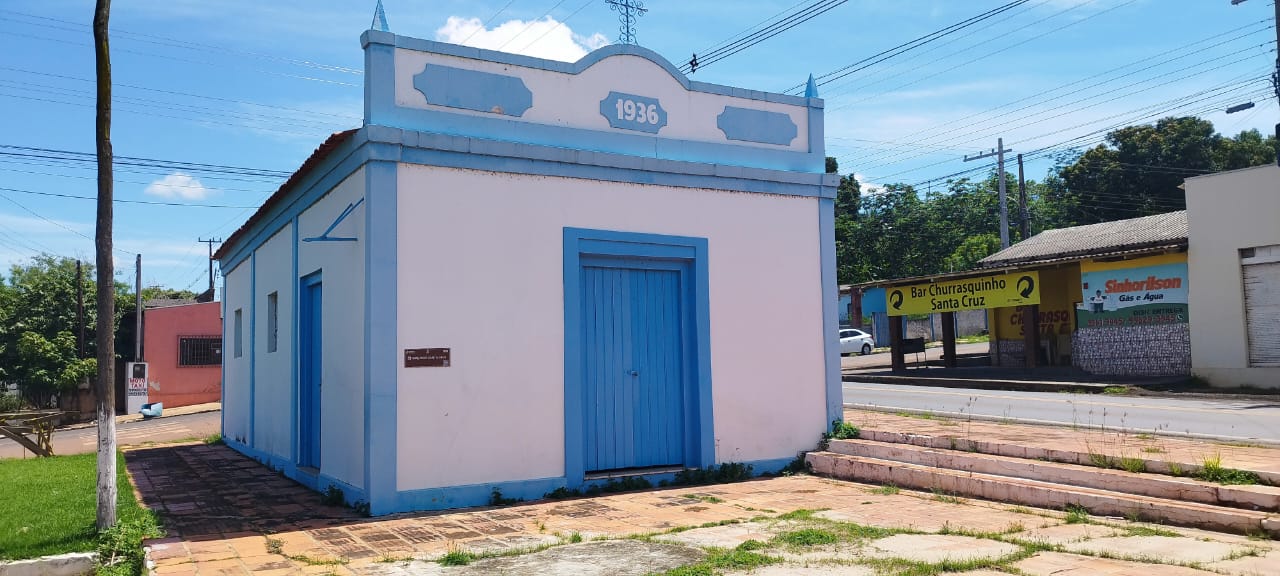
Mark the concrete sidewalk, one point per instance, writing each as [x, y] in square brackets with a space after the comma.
[226, 514]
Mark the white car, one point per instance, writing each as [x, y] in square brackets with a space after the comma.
[855, 341]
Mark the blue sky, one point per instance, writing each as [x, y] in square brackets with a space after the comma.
[254, 84]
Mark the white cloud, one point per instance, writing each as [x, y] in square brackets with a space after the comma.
[179, 185]
[544, 38]
[867, 187]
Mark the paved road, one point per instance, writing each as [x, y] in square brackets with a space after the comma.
[883, 359]
[83, 440]
[1226, 417]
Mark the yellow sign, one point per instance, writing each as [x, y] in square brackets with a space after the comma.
[993, 291]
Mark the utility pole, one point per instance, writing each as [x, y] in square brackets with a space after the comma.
[106, 389]
[137, 294]
[79, 311]
[998, 152]
[1275, 76]
[1022, 199]
[211, 242]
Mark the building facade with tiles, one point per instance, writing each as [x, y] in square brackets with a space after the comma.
[521, 275]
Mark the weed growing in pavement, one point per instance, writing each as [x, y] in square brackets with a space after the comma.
[575, 538]
[1145, 436]
[1175, 469]
[1132, 464]
[886, 490]
[1153, 450]
[724, 474]
[1149, 531]
[1213, 471]
[1099, 460]
[840, 430]
[1077, 514]
[705, 498]
[1116, 390]
[275, 546]
[393, 559]
[941, 496]
[332, 496]
[719, 560]
[213, 439]
[798, 466]
[799, 514]
[496, 499]
[613, 485]
[807, 537]
[456, 557]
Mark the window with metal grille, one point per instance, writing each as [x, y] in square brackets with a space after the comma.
[199, 350]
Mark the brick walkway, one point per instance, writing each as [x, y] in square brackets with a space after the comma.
[227, 514]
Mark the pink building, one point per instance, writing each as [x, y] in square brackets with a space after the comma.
[182, 342]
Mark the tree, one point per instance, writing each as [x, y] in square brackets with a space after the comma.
[1138, 170]
[973, 249]
[106, 302]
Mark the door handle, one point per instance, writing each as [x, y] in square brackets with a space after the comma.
[633, 372]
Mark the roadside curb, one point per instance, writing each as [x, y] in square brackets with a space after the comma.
[73, 564]
[1007, 385]
[1012, 420]
[130, 418]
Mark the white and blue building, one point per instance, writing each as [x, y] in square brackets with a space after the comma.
[633, 273]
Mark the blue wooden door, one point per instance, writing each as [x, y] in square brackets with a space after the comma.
[632, 366]
[310, 359]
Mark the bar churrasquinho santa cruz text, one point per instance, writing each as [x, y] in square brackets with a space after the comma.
[990, 291]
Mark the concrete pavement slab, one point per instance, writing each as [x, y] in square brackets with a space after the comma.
[934, 548]
[1062, 564]
[1176, 550]
[607, 558]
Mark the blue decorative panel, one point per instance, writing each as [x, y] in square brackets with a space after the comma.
[473, 90]
[631, 112]
[756, 126]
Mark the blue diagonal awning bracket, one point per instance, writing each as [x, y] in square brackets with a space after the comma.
[326, 237]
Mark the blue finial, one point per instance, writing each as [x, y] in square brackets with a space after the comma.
[811, 88]
[628, 12]
[379, 19]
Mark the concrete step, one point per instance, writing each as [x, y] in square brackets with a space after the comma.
[1041, 494]
[1263, 498]
[1004, 448]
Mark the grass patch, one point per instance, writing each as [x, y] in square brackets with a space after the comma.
[886, 490]
[213, 439]
[456, 557]
[941, 496]
[705, 498]
[975, 339]
[719, 559]
[49, 506]
[1077, 514]
[799, 514]
[1132, 464]
[1214, 471]
[1153, 450]
[1149, 531]
[1116, 390]
[807, 537]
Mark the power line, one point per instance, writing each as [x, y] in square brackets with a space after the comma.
[862, 64]
[952, 68]
[1036, 97]
[186, 44]
[558, 25]
[530, 24]
[486, 23]
[147, 202]
[54, 222]
[30, 151]
[805, 14]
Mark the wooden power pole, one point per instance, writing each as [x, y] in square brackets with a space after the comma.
[106, 278]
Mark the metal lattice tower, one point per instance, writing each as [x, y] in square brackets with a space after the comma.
[628, 12]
